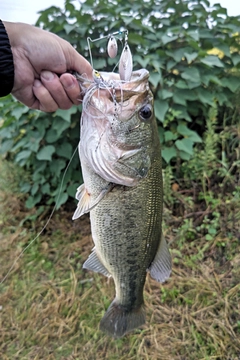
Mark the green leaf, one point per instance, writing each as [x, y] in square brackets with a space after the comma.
[72, 189]
[193, 85]
[185, 144]
[179, 99]
[34, 188]
[19, 111]
[45, 188]
[169, 135]
[194, 34]
[177, 55]
[212, 60]
[99, 63]
[170, 64]
[32, 201]
[232, 83]
[207, 78]
[183, 155]
[222, 99]
[65, 150]
[184, 94]
[59, 125]
[142, 61]
[61, 199]
[66, 114]
[235, 59]
[206, 33]
[164, 94]
[224, 48]
[23, 156]
[155, 79]
[46, 153]
[25, 187]
[205, 96]
[191, 74]
[56, 166]
[6, 146]
[69, 27]
[187, 133]
[167, 39]
[156, 64]
[52, 136]
[135, 38]
[181, 84]
[191, 57]
[182, 112]
[169, 153]
[160, 108]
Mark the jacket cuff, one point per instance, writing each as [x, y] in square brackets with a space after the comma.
[6, 63]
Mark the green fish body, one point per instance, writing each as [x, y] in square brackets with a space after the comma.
[121, 165]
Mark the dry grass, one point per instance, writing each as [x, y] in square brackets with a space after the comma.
[50, 308]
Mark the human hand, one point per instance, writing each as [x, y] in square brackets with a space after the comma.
[41, 61]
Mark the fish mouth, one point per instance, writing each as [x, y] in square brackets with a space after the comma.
[137, 76]
[113, 96]
[112, 82]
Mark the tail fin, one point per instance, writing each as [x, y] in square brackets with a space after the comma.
[118, 320]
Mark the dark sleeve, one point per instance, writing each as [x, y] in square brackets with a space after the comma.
[6, 63]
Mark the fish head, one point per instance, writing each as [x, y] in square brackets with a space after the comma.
[118, 128]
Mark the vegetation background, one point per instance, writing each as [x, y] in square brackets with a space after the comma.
[49, 307]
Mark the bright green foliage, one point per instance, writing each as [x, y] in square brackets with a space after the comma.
[43, 144]
[190, 50]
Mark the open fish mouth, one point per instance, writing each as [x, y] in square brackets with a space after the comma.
[111, 81]
[115, 97]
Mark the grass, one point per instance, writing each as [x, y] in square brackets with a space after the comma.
[50, 308]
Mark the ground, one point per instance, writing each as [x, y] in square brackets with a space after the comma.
[50, 308]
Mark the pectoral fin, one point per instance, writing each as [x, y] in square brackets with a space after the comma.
[94, 264]
[161, 266]
[86, 201]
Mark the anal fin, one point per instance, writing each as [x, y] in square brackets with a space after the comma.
[94, 264]
[161, 266]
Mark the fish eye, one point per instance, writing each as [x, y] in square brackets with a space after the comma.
[145, 112]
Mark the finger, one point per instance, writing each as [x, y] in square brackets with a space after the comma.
[53, 84]
[71, 87]
[44, 101]
[79, 64]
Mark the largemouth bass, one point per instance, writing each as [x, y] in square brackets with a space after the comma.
[121, 166]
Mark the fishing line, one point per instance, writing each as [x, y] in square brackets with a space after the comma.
[44, 227]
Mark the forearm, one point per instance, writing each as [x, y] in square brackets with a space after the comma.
[6, 63]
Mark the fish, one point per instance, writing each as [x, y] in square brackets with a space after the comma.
[120, 158]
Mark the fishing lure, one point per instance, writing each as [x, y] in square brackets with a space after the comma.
[98, 79]
[125, 62]
[112, 48]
